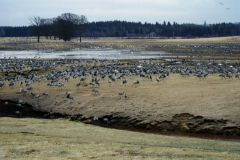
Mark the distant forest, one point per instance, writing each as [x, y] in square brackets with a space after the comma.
[138, 29]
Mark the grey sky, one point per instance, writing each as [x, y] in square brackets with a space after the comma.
[17, 12]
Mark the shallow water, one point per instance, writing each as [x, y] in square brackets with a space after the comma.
[85, 54]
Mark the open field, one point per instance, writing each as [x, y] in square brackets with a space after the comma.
[219, 46]
[28, 138]
[178, 103]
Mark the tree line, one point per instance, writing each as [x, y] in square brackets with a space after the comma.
[68, 25]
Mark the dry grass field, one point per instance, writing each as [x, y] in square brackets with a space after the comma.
[170, 45]
[28, 138]
[176, 103]
[140, 43]
[172, 102]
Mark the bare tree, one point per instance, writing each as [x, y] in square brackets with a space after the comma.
[36, 23]
[64, 27]
[82, 25]
[47, 25]
[66, 24]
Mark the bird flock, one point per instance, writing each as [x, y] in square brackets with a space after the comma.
[23, 73]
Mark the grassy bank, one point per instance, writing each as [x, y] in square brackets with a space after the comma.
[61, 139]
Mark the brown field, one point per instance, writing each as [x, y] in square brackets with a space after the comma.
[151, 102]
[28, 138]
[170, 45]
[179, 104]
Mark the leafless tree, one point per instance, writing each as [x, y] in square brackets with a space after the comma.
[66, 24]
[82, 25]
[76, 23]
[64, 27]
[36, 23]
[48, 27]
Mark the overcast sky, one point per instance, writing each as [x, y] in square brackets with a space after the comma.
[17, 12]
